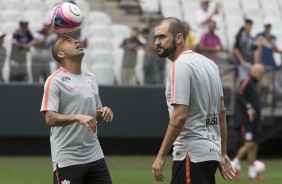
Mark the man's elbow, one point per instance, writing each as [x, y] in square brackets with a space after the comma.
[49, 121]
[181, 119]
[222, 111]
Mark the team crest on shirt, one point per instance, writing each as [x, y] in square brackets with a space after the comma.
[66, 79]
[65, 182]
[92, 85]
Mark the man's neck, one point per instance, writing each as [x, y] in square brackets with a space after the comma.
[177, 53]
[73, 67]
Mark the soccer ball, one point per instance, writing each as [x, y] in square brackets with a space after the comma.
[259, 166]
[66, 17]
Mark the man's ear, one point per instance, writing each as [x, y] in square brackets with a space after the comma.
[179, 38]
[60, 55]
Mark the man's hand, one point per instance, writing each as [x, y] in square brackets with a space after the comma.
[105, 113]
[250, 112]
[89, 122]
[157, 168]
[250, 115]
[226, 169]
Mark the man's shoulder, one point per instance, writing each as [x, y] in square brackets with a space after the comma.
[88, 74]
[58, 75]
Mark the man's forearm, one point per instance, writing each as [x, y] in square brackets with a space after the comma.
[174, 128]
[223, 130]
[172, 133]
[56, 119]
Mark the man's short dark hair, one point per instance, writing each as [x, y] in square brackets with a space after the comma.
[175, 26]
[248, 21]
[145, 31]
[55, 50]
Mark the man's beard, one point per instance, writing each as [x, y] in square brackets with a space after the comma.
[167, 51]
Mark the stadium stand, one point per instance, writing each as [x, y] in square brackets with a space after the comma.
[107, 22]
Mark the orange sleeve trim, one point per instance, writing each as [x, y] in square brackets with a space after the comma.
[187, 165]
[185, 52]
[244, 84]
[46, 100]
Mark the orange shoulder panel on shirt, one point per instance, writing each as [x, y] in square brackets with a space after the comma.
[48, 87]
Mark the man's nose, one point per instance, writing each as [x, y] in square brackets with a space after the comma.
[157, 42]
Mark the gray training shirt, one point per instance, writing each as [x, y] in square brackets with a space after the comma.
[70, 94]
[194, 81]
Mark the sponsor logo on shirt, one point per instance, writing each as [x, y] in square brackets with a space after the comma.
[211, 120]
[66, 79]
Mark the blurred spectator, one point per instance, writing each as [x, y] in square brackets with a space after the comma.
[130, 46]
[210, 43]
[190, 38]
[22, 41]
[3, 54]
[148, 66]
[244, 49]
[267, 41]
[203, 16]
[247, 119]
[267, 45]
[41, 55]
[153, 65]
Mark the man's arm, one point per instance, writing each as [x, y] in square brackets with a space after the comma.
[226, 170]
[223, 129]
[175, 126]
[244, 89]
[239, 56]
[54, 119]
[105, 113]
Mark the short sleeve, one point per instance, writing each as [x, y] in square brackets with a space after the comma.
[51, 96]
[237, 42]
[97, 96]
[180, 83]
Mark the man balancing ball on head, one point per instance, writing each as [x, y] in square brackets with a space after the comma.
[197, 126]
[72, 108]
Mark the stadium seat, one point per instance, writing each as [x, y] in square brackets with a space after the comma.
[119, 30]
[50, 4]
[104, 73]
[99, 43]
[271, 11]
[9, 27]
[33, 16]
[98, 18]
[228, 3]
[139, 66]
[35, 26]
[99, 31]
[101, 56]
[11, 15]
[151, 6]
[266, 4]
[84, 6]
[12, 5]
[250, 4]
[117, 41]
[118, 57]
[171, 9]
[34, 5]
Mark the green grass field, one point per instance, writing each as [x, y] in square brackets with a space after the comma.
[124, 170]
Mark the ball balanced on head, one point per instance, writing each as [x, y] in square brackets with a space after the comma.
[66, 18]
